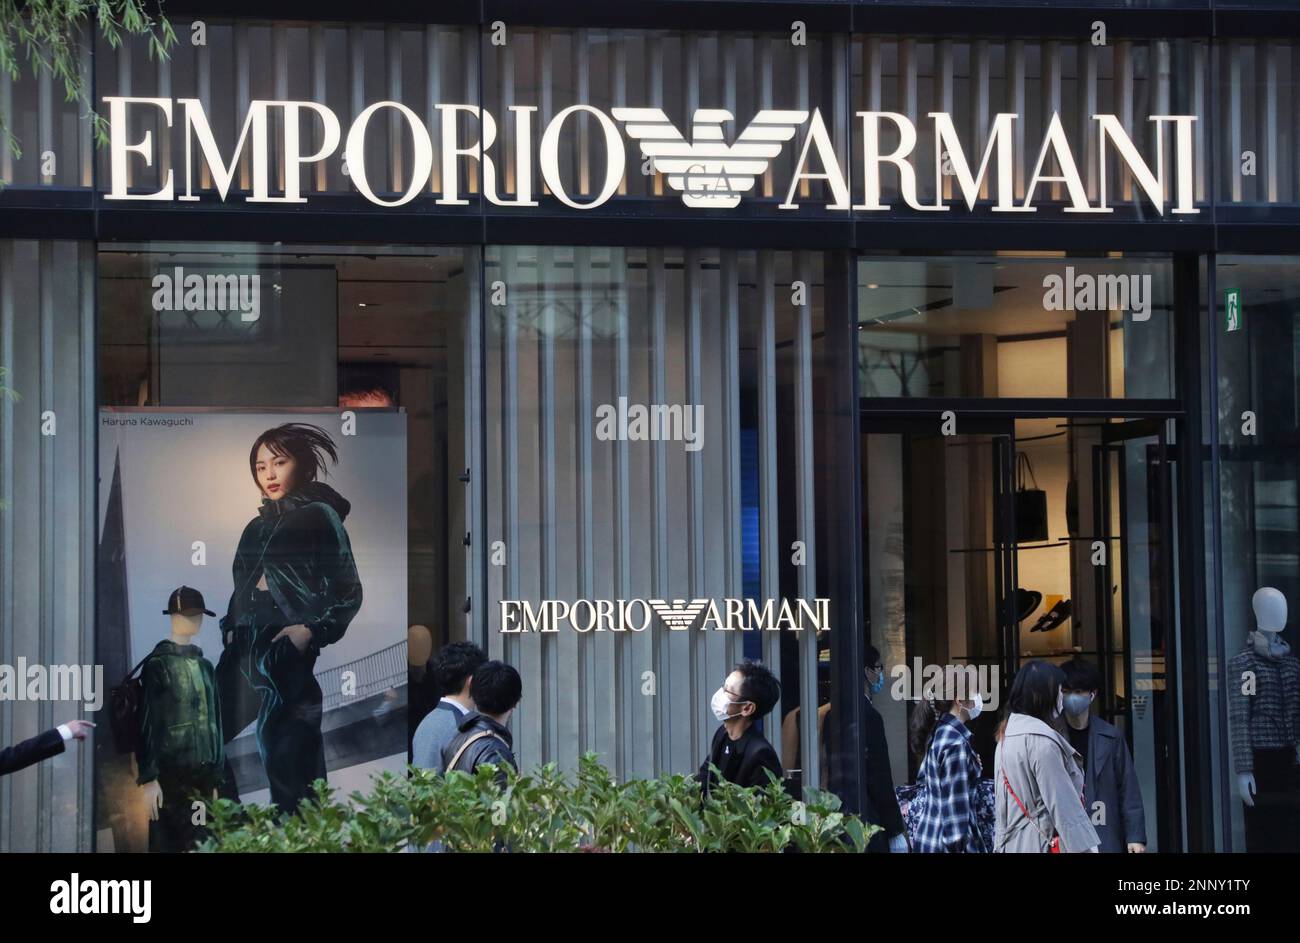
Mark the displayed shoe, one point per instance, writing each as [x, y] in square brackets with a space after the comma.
[1027, 600]
[1053, 618]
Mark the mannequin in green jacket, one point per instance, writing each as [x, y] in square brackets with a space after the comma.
[296, 591]
[181, 753]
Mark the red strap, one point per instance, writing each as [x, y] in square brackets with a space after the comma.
[1025, 811]
[1013, 794]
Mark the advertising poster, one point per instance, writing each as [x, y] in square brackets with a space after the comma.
[256, 562]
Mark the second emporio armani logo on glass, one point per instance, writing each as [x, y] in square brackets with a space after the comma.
[706, 170]
[635, 615]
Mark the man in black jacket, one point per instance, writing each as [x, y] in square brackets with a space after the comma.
[882, 805]
[42, 747]
[482, 735]
[742, 754]
[1110, 780]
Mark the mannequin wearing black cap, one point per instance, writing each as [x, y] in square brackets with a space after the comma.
[181, 750]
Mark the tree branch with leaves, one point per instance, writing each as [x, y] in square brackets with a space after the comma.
[47, 36]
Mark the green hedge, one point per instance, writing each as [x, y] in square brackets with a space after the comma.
[541, 811]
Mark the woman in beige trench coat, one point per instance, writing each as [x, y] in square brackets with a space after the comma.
[1038, 786]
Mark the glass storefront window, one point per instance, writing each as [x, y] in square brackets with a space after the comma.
[1009, 326]
[280, 439]
[1255, 332]
[589, 500]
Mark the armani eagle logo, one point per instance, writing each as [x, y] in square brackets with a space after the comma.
[679, 614]
[707, 171]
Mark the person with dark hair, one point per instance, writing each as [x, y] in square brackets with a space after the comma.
[882, 808]
[482, 736]
[740, 752]
[361, 388]
[1038, 805]
[453, 669]
[1110, 782]
[950, 770]
[296, 591]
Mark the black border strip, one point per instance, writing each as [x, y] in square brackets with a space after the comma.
[1186, 18]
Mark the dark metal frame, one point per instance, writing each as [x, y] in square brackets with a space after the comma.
[1005, 18]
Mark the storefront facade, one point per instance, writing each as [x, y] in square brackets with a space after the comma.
[606, 309]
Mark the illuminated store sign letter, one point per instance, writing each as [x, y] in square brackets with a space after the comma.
[354, 152]
[834, 177]
[118, 149]
[872, 159]
[615, 157]
[1000, 138]
[1055, 141]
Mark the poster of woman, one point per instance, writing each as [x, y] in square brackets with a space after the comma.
[292, 526]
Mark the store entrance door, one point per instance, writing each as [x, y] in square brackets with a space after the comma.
[939, 563]
[1133, 564]
[1013, 538]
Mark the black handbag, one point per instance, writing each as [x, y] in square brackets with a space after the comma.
[124, 710]
[1031, 503]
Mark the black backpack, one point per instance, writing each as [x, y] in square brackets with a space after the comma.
[124, 709]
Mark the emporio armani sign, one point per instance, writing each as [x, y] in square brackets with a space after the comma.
[679, 615]
[708, 171]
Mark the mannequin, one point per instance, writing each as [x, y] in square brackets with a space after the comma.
[181, 750]
[421, 681]
[1263, 683]
[419, 648]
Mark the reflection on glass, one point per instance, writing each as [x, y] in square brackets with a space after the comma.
[1256, 393]
[1005, 326]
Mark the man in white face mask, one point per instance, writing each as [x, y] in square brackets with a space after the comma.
[739, 751]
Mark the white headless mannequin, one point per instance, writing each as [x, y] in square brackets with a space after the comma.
[1270, 618]
[184, 628]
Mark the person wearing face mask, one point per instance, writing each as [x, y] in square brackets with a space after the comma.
[1038, 784]
[1110, 781]
[882, 808]
[948, 778]
[740, 752]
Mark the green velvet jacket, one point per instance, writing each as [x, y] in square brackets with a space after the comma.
[300, 544]
[180, 720]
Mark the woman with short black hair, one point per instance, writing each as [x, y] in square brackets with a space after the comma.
[296, 591]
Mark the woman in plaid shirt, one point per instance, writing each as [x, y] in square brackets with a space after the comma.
[947, 777]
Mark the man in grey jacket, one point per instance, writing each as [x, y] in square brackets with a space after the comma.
[1111, 791]
[454, 669]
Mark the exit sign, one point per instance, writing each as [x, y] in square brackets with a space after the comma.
[1232, 313]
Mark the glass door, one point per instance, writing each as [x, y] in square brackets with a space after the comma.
[1133, 555]
[939, 564]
